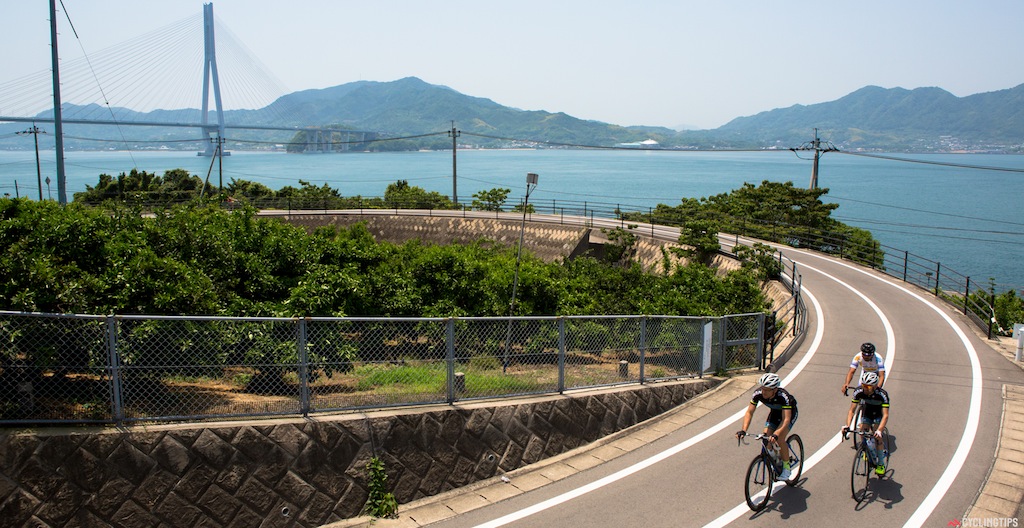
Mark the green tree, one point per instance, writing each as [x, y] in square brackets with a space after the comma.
[404, 196]
[1009, 309]
[490, 200]
[701, 240]
[621, 247]
[761, 259]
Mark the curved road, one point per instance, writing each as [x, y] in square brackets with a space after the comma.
[945, 384]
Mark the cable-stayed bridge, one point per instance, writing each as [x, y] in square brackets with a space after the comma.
[190, 84]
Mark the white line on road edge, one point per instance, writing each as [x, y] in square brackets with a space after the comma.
[931, 501]
[597, 484]
[835, 441]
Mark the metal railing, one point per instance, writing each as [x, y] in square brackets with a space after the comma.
[61, 369]
[947, 284]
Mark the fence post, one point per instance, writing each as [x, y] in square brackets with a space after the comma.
[303, 367]
[967, 293]
[117, 401]
[938, 268]
[797, 294]
[906, 257]
[643, 345]
[707, 326]
[992, 316]
[721, 343]
[449, 343]
[761, 323]
[561, 355]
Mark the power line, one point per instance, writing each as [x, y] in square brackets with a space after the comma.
[942, 228]
[928, 212]
[948, 237]
[928, 162]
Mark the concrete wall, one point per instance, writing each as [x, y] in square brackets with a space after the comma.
[297, 472]
[547, 242]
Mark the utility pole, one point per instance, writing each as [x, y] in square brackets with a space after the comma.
[35, 131]
[815, 145]
[58, 125]
[454, 134]
[531, 183]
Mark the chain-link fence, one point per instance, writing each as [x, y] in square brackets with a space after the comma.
[126, 368]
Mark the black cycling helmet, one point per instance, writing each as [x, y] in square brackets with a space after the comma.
[867, 349]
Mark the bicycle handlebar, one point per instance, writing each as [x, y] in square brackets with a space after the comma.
[857, 432]
[758, 436]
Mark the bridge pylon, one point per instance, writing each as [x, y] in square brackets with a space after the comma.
[214, 132]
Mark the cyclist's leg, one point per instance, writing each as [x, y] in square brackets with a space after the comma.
[874, 447]
[865, 426]
[783, 433]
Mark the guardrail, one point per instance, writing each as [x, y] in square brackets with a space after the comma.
[116, 369]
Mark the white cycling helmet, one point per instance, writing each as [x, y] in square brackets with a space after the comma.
[770, 380]
[869, 378]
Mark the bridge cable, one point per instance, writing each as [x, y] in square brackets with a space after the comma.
[98, 84]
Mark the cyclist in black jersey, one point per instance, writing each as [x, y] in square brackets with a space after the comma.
[875, 414]
[781, 417]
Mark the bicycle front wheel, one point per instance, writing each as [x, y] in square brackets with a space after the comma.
[860, 474]
[758, 489]
[796, 458]
[856, 427]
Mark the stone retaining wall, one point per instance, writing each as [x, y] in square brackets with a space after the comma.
[547, 242]
[298, 472]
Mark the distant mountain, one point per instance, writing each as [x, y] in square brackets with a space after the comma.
[893, 119]
[411, 106]
[872, 118]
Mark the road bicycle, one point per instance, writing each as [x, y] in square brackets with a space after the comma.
[765, 468]
[864, 462]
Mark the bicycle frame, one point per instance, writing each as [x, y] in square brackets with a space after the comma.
[772, 454]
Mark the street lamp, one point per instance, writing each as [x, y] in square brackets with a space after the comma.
[531, 183]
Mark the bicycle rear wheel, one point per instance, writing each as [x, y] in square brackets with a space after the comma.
[860, 473]
[758, 487]
[796, 458]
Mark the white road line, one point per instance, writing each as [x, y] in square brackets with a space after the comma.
[923, 511]
[597, 484]
[956, 463]
[835, 441]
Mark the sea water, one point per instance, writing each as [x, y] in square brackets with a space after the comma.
[967, 219]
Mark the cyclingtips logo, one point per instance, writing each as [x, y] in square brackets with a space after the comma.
[984, 522]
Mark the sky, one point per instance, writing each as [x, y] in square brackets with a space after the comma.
[658, 63]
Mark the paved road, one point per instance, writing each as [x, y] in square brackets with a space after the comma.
[946, 386]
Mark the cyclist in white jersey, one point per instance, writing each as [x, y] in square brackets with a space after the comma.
[868, 361]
